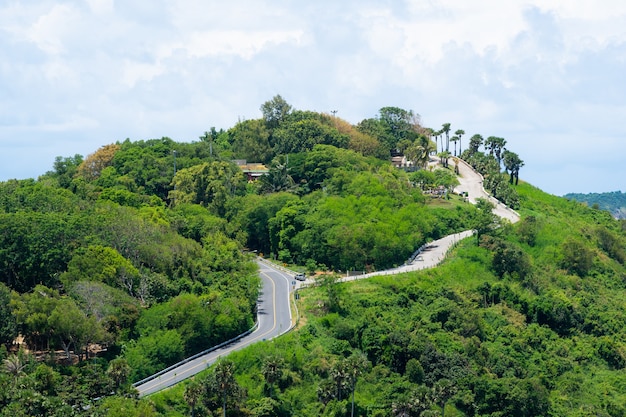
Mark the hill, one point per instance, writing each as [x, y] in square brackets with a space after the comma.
[613, 202]
[136, 256]
[528, 320]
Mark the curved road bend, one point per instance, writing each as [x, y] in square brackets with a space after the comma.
[471, 182]
[274, 317]
[274, 313]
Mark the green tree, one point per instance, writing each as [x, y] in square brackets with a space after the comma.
[454, 139]
[356, 365]
[250, 141]
[72, 327]
[576, 257]
[275, 111]
[210, 184]
[8, 322]
[445, 129]
[475, 143]
[13, 366]
[485, 221]
[442, 392]
[459, 134]
[512, 163]
[222, 382]
[115, 406]
[302, 135]
[495, 145]
[119, 371]
[102, 264]
[193, 395]
[272, 370]
[278, 178]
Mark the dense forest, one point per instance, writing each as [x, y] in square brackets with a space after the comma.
[613, 202]
[118, 264]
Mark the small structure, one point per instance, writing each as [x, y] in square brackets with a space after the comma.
[252, 170]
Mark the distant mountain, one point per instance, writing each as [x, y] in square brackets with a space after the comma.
[613, 202]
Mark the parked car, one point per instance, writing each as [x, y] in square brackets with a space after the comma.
[300, 277]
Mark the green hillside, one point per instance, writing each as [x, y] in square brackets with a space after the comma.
[527, 322]
[613, 202]
[120, 263]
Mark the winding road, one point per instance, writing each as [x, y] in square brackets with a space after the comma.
[274, 310]
[274, 318]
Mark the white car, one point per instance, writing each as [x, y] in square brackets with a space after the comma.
[300, 277]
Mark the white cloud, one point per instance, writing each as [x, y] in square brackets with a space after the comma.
[240, 43]
[545, 75]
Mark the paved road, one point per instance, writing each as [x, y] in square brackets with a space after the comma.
[274, 319]
[471, 182]
[274, 313]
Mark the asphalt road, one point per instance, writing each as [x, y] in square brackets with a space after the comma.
[274, 313]
[274, 318]
[471, 182]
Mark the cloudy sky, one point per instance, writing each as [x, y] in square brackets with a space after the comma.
[547, 75]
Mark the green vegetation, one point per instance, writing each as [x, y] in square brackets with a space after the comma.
[613, 202]
[118, 264]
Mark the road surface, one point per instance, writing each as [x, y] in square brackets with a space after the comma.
[274, 313]
[274, 319]
[471, 182]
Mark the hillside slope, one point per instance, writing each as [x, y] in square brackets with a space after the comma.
[613, 202]
[528, 320]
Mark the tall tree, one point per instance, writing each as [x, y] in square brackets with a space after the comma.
[445, 129]
[8, 322]
[356, 364]
[459, 133]
[454, 139]
[92, 166]
[250, 141]
[476, 142]
[272, 371]
[512, 163]
[275, 111]
[193, 395]
[222, 382]
[495, 146]
[210, 184]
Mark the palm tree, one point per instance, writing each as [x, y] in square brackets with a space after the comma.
[356, 365]
[445, 128]
[442, 391]
[443, 156]
[459, 133]
[455, 139]
[13, 365]
[495, 145]
[475, 142]
[339, 375]
[193, 394]
[223, 381]
[272, 371]
[118, 371]
[512, 163]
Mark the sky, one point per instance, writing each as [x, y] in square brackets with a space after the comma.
[549, 76]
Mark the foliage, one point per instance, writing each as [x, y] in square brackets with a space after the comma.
[613, 202]
[139, 254]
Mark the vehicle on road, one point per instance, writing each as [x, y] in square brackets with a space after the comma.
[300, 277]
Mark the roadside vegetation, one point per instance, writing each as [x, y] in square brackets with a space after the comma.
[118, 264]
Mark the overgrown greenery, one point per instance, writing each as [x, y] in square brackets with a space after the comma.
[613, 202]
[115, 265]
[541, 334]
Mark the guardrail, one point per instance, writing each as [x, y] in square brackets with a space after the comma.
[196, 356]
